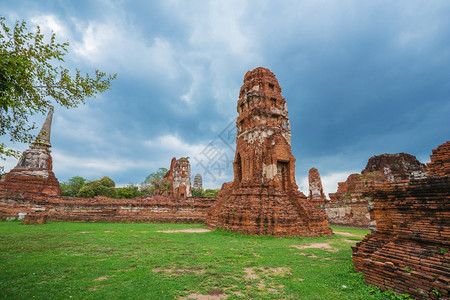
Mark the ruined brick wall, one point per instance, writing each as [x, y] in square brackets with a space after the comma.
[102, 209]
[350, 212]
[264, 198]
[408, 252]
[440, 161]
[348, 207]
[395, 167]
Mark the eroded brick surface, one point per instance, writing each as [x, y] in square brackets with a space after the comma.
[349, 207]
[102, 209]
[179, 176]
[33, 173]
[316, 196]
[409, 250]
[440, 161]
[264, 198]
[34, 219]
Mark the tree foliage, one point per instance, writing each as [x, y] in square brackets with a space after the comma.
[31, 76]
[103, 187]
[155, 181]
[197, 192]
[210, 192]
[72, 186]
[128, 192]
[205, 193]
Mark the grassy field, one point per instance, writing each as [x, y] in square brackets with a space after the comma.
[138, 261]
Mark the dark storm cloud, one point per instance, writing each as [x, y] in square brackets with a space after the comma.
[360, 78]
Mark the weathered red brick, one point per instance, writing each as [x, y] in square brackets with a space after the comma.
[264, 198]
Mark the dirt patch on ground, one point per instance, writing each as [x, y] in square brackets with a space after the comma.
[350, 241]
[255, 273]
[250, 274]
[345, 233]
[177, 271]
[314, 246]
[307, 255]
[190, 230]
[204, 297]
[103, 278]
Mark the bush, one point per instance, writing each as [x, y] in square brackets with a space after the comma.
[106, 181]
[197, 192]
[155, 181]
[128, 192]
[72, 186]
[103, 187]
[210, 192]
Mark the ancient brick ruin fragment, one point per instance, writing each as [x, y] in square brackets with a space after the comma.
[33, 173]
[409, 250]
[380, 168]
[264, 198]
[349, 207]
[198, 182]
[35, 219]
[149, 209]
[316, 195]
[440, 161]
[179, 176]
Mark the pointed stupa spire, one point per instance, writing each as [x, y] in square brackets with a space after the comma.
[43, 138]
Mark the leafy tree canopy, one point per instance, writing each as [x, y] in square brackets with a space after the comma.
[72, 186]
[103, 187]
[31, 79]
[159, 174]
[129, 191]
[155, 181]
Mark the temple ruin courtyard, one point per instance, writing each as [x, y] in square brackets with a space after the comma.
[62, 260]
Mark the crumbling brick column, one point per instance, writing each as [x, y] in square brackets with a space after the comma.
[264, 198]
[409, 250]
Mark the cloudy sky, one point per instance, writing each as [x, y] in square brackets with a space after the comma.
[360, 78]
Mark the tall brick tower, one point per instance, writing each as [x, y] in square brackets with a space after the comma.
[33, 173]
[264, 198]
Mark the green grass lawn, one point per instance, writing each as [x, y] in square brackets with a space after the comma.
[62, 260]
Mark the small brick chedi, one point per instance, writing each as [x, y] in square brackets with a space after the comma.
[179, 176]
[316, 195]
[198, 182]
[264, 198]
[33, 173]
[409, 252]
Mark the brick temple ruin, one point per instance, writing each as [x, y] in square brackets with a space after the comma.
[349, 207]
[316, 196]
[31, 189]
[179, 177]
[198, 182]
[409, 250]
[264, 198]
[34, 171]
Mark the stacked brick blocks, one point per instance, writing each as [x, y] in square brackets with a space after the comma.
[264, 198]
[409, 251]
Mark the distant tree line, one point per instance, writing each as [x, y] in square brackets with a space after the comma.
[155, 182]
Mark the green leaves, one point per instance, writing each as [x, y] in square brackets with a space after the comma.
[31, 80]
